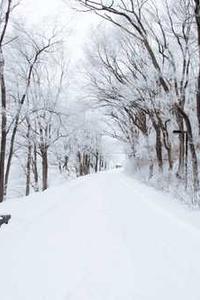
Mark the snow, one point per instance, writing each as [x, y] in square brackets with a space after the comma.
[100, 237]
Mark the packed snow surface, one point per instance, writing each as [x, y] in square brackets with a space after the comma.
[100, 237]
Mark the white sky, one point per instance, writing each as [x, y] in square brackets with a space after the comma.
[58, 12]
[40, 7]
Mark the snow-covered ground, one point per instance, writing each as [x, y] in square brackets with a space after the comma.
[101, 237]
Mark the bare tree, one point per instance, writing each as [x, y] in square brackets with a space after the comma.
[32, 59]
[6, 7]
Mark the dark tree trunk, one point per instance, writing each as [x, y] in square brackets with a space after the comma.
[86, 164]
[28, 164]
[5, 21]
[167, 145]
[3, 129]
[197, 17]
[96, 162]
[198, 100]
[66, 161]
[159, 148]
[11, 151]
[158, 144]
[35, 169]
[44, 169]
[191, 147]
[180, 123]
[80, 163]
[101, 164]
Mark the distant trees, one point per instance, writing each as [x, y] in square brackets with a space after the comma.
[89, 152]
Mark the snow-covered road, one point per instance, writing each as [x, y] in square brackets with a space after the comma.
[101, 237]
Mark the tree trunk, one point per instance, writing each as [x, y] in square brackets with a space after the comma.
[28, 164]
[66, 161]
[167, 145]
[179, 118]
[35, 169]
[11, 151]
[159, 148]
[3, 128]
[101, 164]
[44, 169]
[86, 164]
[158, 144]
[197, 17]
[191, 147]
[96, 168]
[80, 163]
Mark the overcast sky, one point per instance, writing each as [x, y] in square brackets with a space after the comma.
[40, 8]
[56, 11]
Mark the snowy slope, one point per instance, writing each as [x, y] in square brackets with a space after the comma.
[101, 237]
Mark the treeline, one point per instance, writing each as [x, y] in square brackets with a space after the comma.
[37, 128]
[145, 75]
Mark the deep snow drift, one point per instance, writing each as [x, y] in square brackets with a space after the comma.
[101, 237]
